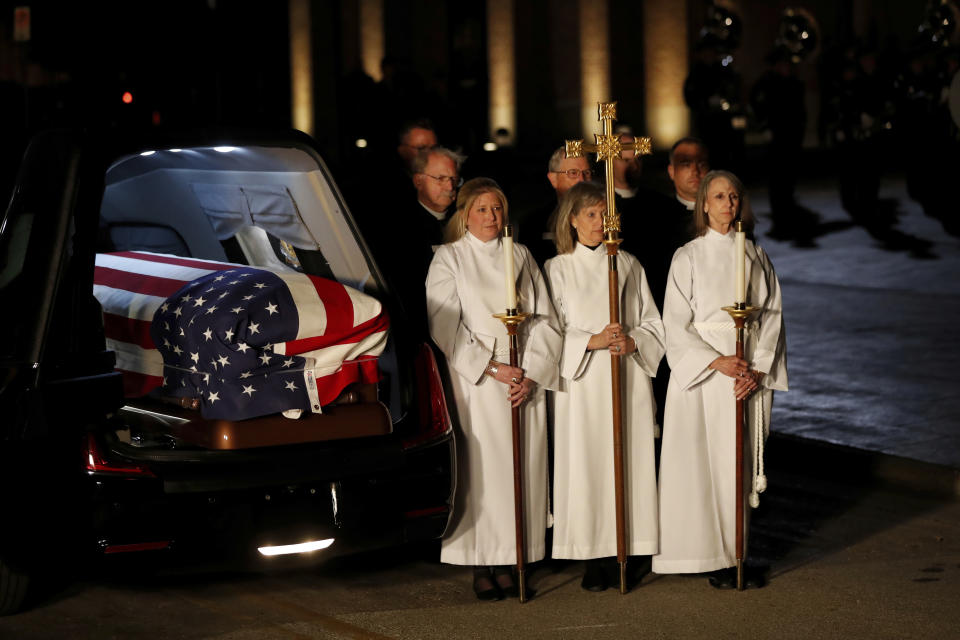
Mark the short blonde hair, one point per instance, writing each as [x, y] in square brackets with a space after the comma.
[701, 221]
[576, 199]
[469, 192]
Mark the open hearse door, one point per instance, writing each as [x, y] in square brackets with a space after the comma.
[201, 361]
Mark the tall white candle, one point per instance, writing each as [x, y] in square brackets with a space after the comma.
[741, 263]
[509, 277]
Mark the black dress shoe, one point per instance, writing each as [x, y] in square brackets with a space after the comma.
[594, 578]
[505, 582]
[484, 586]
[723, 578]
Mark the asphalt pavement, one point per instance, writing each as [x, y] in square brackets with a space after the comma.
[872, 340]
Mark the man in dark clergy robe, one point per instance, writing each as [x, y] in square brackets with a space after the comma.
[655, 226]
[630, 198]
[414, 228]
[536, 230]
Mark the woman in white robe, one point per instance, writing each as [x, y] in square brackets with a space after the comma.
[465, 287]
[697, 465]
[583, 487]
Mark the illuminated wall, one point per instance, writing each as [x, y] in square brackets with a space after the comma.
[667, 65]
[371, 37]
[594, 63]
[500, 65]
[301, 67]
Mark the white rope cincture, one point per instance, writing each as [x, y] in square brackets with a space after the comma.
[759, 484]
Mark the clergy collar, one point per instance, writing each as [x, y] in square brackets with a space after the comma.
[689, 204]
[625, 193]
[441, 215]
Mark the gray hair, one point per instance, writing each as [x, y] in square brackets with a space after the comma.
[423, 157]
[556, 159]
[701, 221]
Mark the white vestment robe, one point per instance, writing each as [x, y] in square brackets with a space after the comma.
[698, 458]
[584, 503]
[465, 287]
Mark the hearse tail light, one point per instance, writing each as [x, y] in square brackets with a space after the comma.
[434, 417]
[287, 549]
[97, 463]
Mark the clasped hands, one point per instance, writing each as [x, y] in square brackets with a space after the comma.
[746, 380]
[613, 338]
[519, 386]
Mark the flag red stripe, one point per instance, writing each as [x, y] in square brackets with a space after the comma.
[180, 262]
[139, 384]
[380, 322]
[136, 282]
[337, 304]
[363, 370]
[129, 330]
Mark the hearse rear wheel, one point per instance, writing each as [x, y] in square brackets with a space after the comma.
[13, 589]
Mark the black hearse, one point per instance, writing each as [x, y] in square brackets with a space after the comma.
[87, 471]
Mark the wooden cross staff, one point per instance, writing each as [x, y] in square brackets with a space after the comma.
[608, 147]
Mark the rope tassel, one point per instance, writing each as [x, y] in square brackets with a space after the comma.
[759, 483]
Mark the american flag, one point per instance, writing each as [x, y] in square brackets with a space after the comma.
[246, 341]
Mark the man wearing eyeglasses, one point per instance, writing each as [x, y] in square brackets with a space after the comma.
[436, 177]
[536, 230]
[413, 227]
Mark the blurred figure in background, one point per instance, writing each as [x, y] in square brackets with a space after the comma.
[777, 100]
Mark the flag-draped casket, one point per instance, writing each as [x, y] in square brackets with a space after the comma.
[245, 341]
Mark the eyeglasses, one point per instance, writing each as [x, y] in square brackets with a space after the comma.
[573, 174]
[453, 180]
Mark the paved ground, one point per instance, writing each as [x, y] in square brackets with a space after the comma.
[846, 560]
[871, 331]
[873, 345]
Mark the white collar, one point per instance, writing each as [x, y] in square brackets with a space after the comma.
[441, 216]
[489, 246]
[689, 204]
[713, 234]
[583, 250]
[625, 192]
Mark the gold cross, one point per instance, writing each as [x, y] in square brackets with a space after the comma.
[608, 147]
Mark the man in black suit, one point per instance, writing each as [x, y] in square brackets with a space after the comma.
[413, 227]
[537, 232]
[655, 226]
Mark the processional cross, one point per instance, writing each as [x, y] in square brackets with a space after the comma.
[607, 147]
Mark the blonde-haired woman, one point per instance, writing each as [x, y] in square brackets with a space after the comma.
[583, 487]
[697, 483]
[465, 287]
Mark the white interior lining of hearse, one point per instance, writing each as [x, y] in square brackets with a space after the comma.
[168, 196]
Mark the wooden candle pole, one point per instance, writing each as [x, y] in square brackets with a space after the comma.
[608, 147]
[740, 313]
[512, 320]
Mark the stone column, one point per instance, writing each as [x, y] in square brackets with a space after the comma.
[301, 67]
[371, 37]
[501, 66]
[594, 62]
[667, 64]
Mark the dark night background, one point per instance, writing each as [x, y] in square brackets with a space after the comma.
[226, 63]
